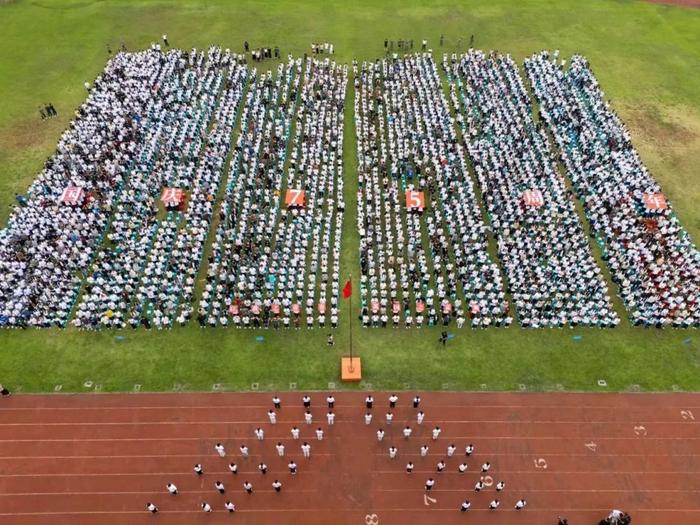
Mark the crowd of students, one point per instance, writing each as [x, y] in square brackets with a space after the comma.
[421, 265]
[145, 275]
[279, 265]
[650, 255]
[552, 276]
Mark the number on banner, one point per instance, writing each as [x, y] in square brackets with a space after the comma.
[295, 198]
[687, 415]
[371, 519]
[593, 447]
[640, 430]
[415, 200]
[540, 463]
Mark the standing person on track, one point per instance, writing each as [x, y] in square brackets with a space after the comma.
[244, 450]
[451, 450]
[331, 401]
[441, 466]
[469, 450]
[369, 402]
[171, 488]
[494, 504]
[368, 418]
[233, 468]
[389, 418]
[198, 469]
[220, 487]
[306, 450]
[292, 468]
[308, 418]
[262, 468]
[500, 486]
[479, 486]
[485, 467]
[295, 432]
[420, 416]
[330, 417]
[280, 449]
[259, 433]
[466, 504]
[436, 433]
[277, 485]
[429, 484]
[230, 507]
[520, 504]
[392, 452]
[462, 468]
[150, 507]
[416, 401]
[272, 416]
[206, 507]
[409, 467]
[307, 401]
[393, 398]
[220, 450]
[380, 434]
[4, 392]
[319, 434]
[407, 432]
[248, 486]
[277, 402]
[424, 451]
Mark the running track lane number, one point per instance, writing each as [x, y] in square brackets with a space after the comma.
[540, 463]
[487, 480]
[640, 430]
[593, 447]
[371, 519]
[687, 415]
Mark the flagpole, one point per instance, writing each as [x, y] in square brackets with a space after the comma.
[352, 369]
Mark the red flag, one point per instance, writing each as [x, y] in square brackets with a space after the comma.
[347, 291]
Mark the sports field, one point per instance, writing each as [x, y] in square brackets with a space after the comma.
[646, 57]
[78, 458]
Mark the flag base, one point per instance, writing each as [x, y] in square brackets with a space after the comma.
[350, 372]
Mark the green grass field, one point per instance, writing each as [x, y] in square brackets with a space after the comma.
[646, 56]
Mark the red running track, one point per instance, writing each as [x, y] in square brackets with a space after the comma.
[87, 459]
